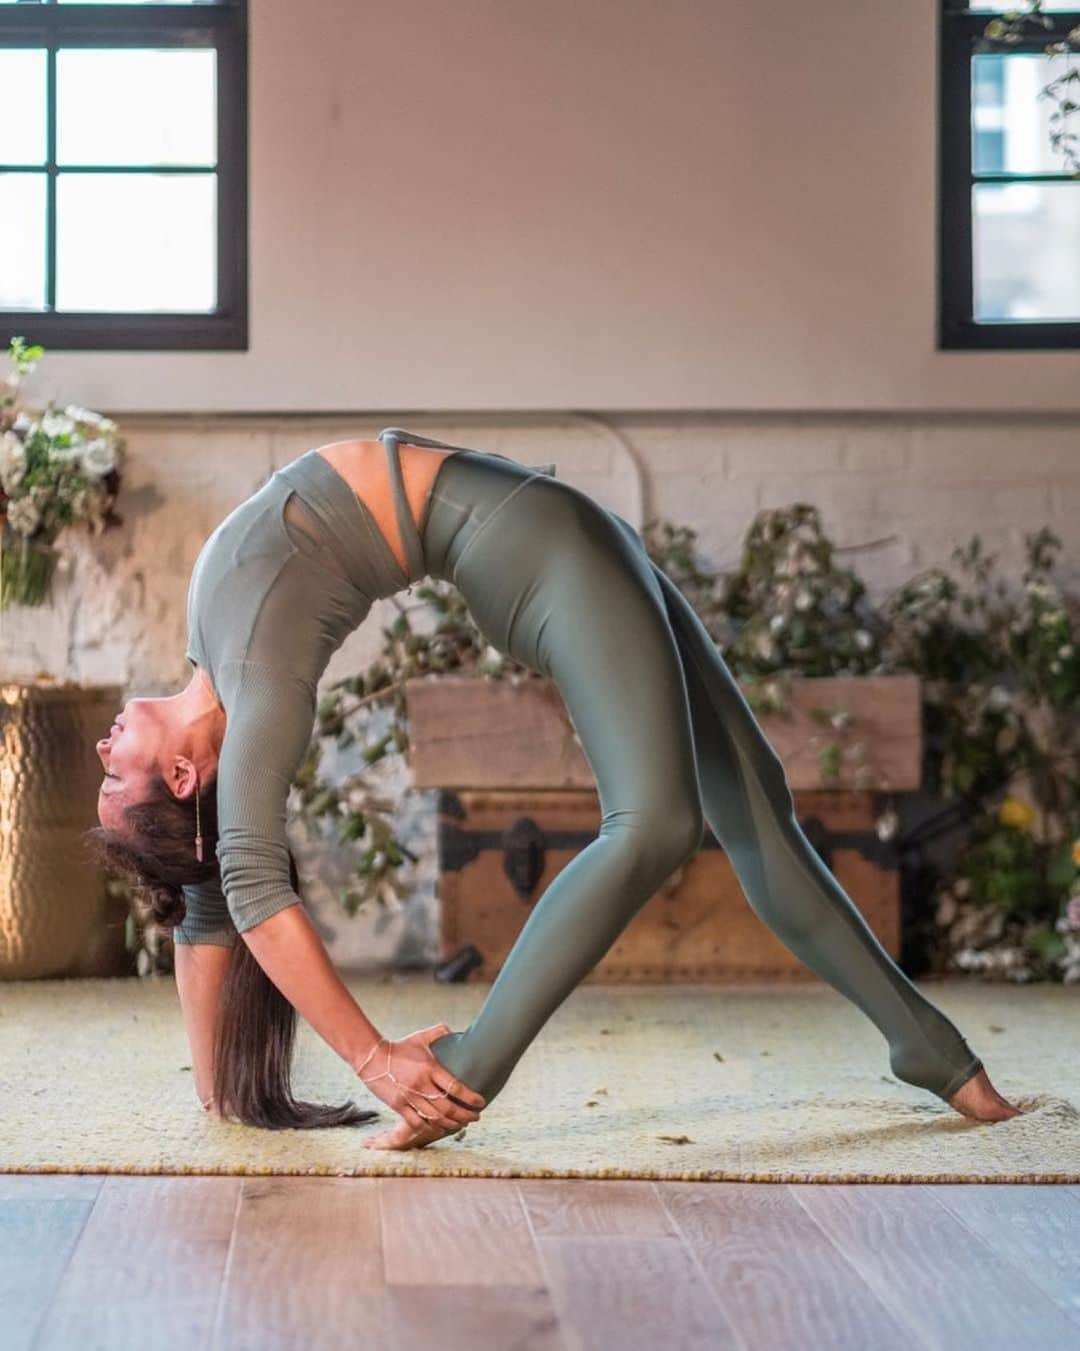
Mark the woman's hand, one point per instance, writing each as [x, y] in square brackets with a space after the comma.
[209, 1106]
[407, 1077]
[402, 1136]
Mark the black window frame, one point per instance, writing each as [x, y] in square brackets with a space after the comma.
[961, 37]
[222, 25]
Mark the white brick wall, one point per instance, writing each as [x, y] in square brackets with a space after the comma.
[897, 494]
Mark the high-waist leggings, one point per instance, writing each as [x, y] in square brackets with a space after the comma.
[567, 588]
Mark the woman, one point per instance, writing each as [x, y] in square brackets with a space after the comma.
[193, 803]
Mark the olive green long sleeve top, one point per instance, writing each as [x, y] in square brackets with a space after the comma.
[274, 592]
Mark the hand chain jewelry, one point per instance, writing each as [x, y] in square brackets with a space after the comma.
[388, 1074]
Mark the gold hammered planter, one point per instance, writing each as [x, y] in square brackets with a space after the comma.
[56, 918]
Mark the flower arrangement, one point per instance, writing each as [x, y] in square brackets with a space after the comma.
[58, 467]
[790, 607]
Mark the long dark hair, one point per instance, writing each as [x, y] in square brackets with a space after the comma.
[256, 1027]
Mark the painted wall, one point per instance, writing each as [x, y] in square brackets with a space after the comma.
[623, 205]
[468, 219]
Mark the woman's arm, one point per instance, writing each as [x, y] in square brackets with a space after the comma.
[270, 717]
[200, 974]
[290, 951]
[292, 954]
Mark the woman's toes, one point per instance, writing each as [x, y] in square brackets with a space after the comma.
[981, 1101]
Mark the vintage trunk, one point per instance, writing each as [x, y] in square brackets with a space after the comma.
[518, 801]
[499, 850]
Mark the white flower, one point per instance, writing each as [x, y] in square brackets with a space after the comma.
[999, 697]
[64, 454]
[764, 647]
[777, 622]
[356, 798]
[57, 424]
[863, 639]
[12, 461]
[491, 660]
[804, 600]
[24, 515]
[99, 456]
[77, 413]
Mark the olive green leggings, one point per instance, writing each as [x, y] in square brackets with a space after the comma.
[567, 588]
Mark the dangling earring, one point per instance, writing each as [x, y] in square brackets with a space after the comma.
[198, 824]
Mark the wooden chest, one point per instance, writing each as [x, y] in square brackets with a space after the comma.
[517, 801]
[499, 849]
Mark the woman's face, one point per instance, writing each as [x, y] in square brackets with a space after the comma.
[131, 756]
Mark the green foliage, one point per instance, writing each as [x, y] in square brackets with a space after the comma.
[1000, 675]
[788, 607]
[1000, 670]
[367, 713]
[1007, 867]
[1009, 29]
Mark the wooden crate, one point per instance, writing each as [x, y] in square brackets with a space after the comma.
[466, 731]
[498, 851]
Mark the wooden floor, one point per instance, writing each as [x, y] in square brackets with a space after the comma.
[129, 1261]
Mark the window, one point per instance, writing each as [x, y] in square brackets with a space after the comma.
[123, 174]
[1009, 200]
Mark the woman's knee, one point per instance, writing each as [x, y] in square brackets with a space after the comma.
[686, 831]
[662, 836]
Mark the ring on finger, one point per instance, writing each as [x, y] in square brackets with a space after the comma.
[413, 1107]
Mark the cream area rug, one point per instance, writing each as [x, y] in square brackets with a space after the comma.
[757, 1083]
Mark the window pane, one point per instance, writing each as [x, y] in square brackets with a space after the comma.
[1026, 263]
[1047, 5]
[22, 241]
[22, 128]
[136, 242]
[137, 106]
[1010, 124]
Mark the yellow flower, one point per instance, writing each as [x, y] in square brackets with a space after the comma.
[1015, 811]
[1076, 851]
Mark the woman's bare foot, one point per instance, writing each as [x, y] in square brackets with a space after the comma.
[979, 1099]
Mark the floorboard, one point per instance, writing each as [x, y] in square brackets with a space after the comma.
[780, 1277]
[233, 1263]
[932, 1271]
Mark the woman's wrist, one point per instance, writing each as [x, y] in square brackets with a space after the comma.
[364, 1060]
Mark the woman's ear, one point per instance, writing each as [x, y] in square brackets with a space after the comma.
[182, 777]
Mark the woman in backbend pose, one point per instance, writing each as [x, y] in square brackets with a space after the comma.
[193, 802]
